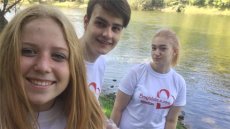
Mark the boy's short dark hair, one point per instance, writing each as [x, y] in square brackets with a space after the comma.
[119, 8]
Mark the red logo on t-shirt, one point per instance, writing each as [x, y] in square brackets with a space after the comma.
[161, 93]
[94, 88]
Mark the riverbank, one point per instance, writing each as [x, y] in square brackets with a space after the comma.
[107, 102]
[186, 9]
[70, 4]
[203, 10]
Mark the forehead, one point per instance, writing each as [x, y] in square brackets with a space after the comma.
[161, 41]
[43, 30]
[41, 22]
[99, 12]
[43, 25]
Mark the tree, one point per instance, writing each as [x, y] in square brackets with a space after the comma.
[6, 6]
[81, 1]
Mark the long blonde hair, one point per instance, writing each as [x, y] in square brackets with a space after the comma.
[81, 107]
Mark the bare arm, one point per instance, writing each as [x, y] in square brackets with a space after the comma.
[120, 104]
[172, 117]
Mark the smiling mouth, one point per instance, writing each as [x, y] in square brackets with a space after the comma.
[157, 58]
[40, 82]
[104, 42]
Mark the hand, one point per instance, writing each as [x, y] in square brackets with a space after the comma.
[110, 124]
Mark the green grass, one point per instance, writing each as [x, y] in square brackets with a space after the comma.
[107, 102]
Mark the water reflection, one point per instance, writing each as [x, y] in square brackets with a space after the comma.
[205, 60]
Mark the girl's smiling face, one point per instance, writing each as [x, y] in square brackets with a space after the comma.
[44, 62]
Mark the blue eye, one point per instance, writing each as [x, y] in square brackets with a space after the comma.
[59, 57]
[29, 52]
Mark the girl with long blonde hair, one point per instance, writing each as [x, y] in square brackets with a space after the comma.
[42, 74]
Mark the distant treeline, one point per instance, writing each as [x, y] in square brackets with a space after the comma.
[152, 4]
[158, 4]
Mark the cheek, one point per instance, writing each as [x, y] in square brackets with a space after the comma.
[116, 38]
[25, 64]
[170, 56]
[66, 76]
[66, 80]
[64, 73]
[92, 31]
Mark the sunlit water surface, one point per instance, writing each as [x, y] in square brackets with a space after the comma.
[205, 60]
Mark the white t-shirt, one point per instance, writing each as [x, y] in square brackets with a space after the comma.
[95, 74]
[152, 96]
[53, 118]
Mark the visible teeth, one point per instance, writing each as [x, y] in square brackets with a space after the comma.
[105, 42]
[41, 83]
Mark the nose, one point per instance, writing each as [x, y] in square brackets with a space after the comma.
[43, 64]
[157, 52]
[107, 32]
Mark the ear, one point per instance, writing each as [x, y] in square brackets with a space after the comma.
[175, 52]
[86, 21]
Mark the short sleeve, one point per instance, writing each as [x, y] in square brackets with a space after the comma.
[130, 80]
[181, 97]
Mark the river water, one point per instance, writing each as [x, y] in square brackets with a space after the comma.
[205, 60]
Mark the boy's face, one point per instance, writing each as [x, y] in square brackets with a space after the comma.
[102, 31]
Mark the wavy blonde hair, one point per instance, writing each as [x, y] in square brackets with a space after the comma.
[81, 107]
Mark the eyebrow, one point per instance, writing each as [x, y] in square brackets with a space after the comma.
[104, 20]
[28, 44]
[55, 48]
[163, 45]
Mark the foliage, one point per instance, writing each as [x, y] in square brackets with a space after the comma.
[6, 6]
[198, 2]
[177, 4]
[107, 102]
[146, 4]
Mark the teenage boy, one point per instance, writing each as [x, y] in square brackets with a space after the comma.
[103, 23]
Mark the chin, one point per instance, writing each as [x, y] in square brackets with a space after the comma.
[41, 105]
[38, 102]
[104, 52]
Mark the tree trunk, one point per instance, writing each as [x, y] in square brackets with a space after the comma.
[3, 22]
[81, 1]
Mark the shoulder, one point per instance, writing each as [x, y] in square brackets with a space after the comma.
[140, 67]
[138, 70]
[178, 78]
[100, 62]
[101, 58]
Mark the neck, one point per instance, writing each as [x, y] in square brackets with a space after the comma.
[160, 69]
[43, 107]
[87, 53]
